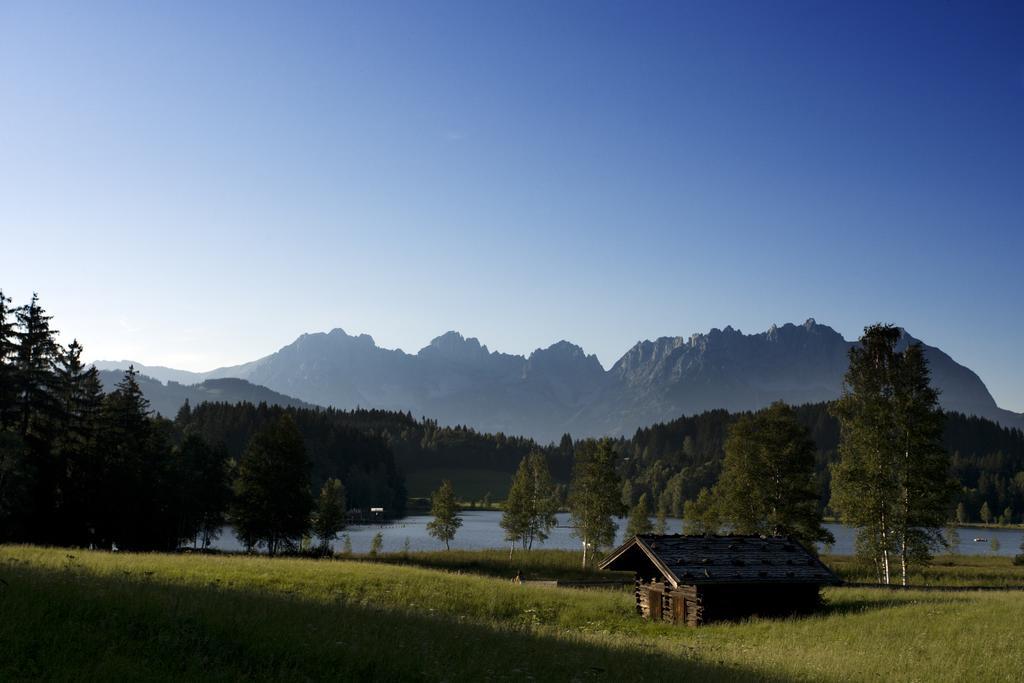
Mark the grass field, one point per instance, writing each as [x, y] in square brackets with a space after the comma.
[945, 571]
[99, 616]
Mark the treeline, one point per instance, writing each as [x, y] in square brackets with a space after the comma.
[673, 461]
[338, 444]
[82, 468]
[424, 444]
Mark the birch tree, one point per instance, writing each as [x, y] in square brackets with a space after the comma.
[595, 495]
[892, 480]
[446, 514]
[531, 504]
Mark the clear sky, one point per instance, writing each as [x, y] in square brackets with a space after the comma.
[195, 184]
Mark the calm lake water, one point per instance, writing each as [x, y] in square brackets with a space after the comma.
[480, 530]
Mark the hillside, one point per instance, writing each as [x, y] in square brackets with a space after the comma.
[167, 399]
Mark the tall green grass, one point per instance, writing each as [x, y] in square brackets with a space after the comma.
[944, 571]
[101, 616]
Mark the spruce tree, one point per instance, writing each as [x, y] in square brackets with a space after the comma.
[446, 514]
[595, 495]
[137, 490]
[273, 501]
[8, 348]
[75, 448]
[36, 353]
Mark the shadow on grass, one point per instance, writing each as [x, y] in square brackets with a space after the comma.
[884, 602]
[64, 624]
[534, 565]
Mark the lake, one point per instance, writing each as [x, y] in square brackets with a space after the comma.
[480, 530]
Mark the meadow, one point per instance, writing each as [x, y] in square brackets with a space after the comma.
[99, 616]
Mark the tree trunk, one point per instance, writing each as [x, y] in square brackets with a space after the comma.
[584, 553]
[511, 548]
[906, 514]
[903, 560]
[885, 551]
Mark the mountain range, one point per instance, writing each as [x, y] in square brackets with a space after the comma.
[560, 389]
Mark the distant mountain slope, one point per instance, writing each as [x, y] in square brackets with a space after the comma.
[167, 399]
[562, 389]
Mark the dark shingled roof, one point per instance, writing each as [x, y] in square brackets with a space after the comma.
[721, 559]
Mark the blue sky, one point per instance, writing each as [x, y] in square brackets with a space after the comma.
[196, 184]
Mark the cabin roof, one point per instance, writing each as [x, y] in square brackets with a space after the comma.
[684, 560]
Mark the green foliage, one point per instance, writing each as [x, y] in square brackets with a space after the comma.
[701, 516]
[595, 495]
[661, 521]
[529, 511]
[985, 514]
[640, 518]
[767, 484]
[203, 485]
[446, 514]
[330, 512]
[340, 445]
[272, 498]
[376, 543]
[892, 480]
[953, 539]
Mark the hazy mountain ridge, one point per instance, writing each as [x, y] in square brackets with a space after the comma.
[458, 380]
[166, 399]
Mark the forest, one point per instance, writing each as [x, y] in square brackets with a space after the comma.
[673, 461]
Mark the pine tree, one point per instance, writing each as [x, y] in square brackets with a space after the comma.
[595, 495]
[273, 501]
[33, 371]
[640, 518]
[768, 481]
[8, 348]
[136, 489]
[80, 396]
[446, 514]
[330, 512]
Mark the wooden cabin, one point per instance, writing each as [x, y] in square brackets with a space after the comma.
[695, 580]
